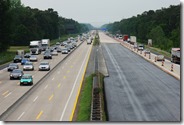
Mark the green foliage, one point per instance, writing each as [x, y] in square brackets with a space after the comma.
[163, 26]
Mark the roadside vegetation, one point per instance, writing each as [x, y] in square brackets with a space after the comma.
[162, 26]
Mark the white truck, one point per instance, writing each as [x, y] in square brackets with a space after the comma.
[133, 40]
[35, 47]
[45, 44]
[175, 55]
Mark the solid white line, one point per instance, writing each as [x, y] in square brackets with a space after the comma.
[46, 86]
[20, 116]
[62, 115]
[8, 95]
[35, 99]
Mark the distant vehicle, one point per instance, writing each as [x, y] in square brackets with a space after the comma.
[33, 58]
[147, 51]
[45, 44]
[26, 79]
[12, 66]
[47, 55]
[58, 44]
[16, 74]
[17, 58]
[58, 49]
[44, 66]
[133, 40]
[65, 51]
[24, 60]
[74, 44]
[160, 58]
[28, 66]
[68, 47]
[27, 55]
[120, 37]
[175, 55]
[54, 53]
[141, 47]
[20, 52]
[135, 46]
[125, 37]
[35, 47]
[89, 41]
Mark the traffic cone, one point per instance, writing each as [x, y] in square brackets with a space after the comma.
[172, 67]
[162, 63]
[155, 58]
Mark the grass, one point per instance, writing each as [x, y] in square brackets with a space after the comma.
[6, 57]
[159, 51]
[84, 110]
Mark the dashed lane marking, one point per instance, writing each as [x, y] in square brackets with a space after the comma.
[39, 115]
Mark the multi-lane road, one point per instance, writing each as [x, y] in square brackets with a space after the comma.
[136, 90]
[54, 99]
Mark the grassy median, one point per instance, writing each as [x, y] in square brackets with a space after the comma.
[84, 107]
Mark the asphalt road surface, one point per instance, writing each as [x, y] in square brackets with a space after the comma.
[55, 97]
[137, 90]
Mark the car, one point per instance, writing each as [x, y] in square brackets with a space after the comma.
[27, 55]
[33, 58]
[24, 60]
[54, 53]
[141, 47]
[16, 74]
[12, 66]
[28, 66]
[26, 79]
[44, 66]
[65, 51]
[58, 49]
[147, 51]
[47, 55]
[160, 58]
[57, 44]
[74, 44]
[17, 58]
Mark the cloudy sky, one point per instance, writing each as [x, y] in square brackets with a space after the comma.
[99, 12]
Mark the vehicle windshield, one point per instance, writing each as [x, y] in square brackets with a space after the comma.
[17, 56]
[33, 46]
[28, 64]
[26, 77]
[13, 64]
[16, 71]
[43, 63]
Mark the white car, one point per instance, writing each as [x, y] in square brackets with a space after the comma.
[44, 66]
[33, 58]
[54, 53]
[28, 66]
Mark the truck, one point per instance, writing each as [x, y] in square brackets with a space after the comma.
[125, 37]
[45, 44]
[35, 47]
[175, 55]
[133, 40]
[20, 52]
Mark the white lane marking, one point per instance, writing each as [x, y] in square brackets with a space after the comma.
[35, 99]
[46, 86]
[62, 115]
[8, 95]
[20, 116]
[52, 78]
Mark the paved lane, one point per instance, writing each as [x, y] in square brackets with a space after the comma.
[55, 98]
[137, 90]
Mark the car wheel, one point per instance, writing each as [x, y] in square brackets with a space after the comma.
[10, 78]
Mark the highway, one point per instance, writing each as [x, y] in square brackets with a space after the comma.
[136, 90]
[55, 97]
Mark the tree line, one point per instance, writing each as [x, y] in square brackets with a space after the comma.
[162, 26]
[20, 24]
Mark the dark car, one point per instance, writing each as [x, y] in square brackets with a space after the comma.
[47, 55]
[12, 66]
[27, 55]
[24, 60]
[16, 74]
[17, 58]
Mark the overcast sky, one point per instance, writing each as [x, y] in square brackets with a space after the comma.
[99, 12]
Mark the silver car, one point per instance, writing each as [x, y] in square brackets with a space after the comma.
[33, 58]
[44, 66]
[65, 51]
[16, 74]
[28, 66]
[54, 53]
